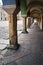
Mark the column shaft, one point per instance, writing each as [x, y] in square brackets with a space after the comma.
[29, 22]
[13, 31]
[42, 22]
[24, 25]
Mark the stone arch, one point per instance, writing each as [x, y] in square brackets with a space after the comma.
[35, 12]
[35, 4]
[35, 9]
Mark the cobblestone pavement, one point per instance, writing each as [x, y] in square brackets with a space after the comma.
[30, 51]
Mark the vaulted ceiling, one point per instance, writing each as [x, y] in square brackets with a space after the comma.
[34, 7]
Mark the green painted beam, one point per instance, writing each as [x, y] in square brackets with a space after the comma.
[23, 7]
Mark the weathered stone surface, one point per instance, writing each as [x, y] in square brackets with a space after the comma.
[30, 51]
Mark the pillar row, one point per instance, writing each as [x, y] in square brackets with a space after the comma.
[24, 25]
[13, 32]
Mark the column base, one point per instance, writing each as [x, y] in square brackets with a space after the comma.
[12, 47]
[24, 31]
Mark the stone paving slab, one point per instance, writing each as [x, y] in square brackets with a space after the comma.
[12, 63]
[30, 51]
[2, 46]
[14, 55]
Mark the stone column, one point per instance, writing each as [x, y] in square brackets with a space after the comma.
[29, 22]
[24, 25]
[39, 22]
[13, 32]
[32, 20]
[42, 22]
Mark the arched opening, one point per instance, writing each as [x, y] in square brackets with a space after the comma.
[35, 20]
[4, 29]
[19, 23]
